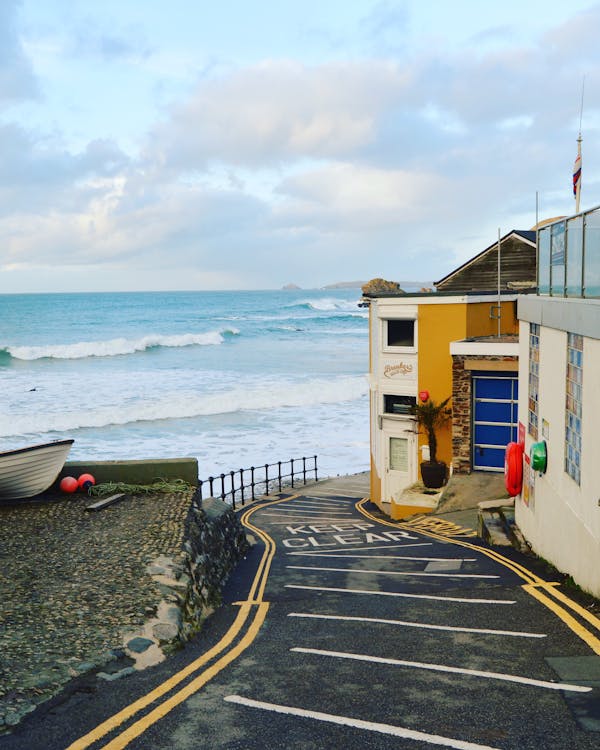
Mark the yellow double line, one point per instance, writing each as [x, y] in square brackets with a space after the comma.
[250, 617]
[545, 592]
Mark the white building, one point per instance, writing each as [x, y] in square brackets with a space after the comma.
[558, 510]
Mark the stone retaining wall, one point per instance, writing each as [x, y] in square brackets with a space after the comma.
[214, 542]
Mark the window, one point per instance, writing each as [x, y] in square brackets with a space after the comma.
[401, 333]
[534, 380]
[544, 261]
[557, 259]
[591, 271]
[573, 410]
[574, 257]
[398, 404]
[398, 454]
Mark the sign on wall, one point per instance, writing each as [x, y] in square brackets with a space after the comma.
[400, 369]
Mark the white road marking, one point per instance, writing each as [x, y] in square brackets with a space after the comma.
[331, 500]
[443, 668]
[387, 557]
[369, 726]
[404, 596]
[427, 626]
[327, 553]
[316, 504]
[320, 520]
[312, 512]
[394, 572]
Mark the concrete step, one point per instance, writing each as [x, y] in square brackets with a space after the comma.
[496, 525]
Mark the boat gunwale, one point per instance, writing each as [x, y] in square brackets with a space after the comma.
[38, 447]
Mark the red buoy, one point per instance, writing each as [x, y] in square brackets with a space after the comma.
[513, 468]
[85, 481]
[68, 484]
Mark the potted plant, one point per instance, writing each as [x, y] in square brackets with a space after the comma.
[431, 416]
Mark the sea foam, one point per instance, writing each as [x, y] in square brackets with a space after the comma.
[117, 347]
[182, 404]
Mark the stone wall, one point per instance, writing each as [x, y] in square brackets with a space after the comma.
[461, 416]
[191, 585]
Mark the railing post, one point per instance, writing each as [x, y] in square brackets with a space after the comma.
[281, 475]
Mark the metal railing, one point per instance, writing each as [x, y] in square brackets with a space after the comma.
[261, 478]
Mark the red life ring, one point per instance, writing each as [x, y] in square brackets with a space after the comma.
[513, 468]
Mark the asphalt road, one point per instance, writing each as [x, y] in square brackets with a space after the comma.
[343, 629]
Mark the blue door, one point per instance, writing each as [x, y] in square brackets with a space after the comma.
[495, 418]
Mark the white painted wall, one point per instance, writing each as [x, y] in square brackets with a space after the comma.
[562, 523]
[393, 372]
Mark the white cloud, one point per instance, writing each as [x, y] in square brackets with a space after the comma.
[276, 111]
[17, 81]
[282, 170]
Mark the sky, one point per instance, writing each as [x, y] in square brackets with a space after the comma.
[147, 145]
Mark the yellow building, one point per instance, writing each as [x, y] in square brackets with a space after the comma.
[414, 340]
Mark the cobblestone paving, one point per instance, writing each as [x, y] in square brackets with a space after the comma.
[72, 584]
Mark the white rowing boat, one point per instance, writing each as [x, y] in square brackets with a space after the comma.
[25, 472]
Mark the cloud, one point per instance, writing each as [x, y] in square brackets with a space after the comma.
[359, 198]
[276, 111]
[104, 39]
[17, 81]
[281, 170]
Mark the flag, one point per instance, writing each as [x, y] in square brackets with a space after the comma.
[577, 175]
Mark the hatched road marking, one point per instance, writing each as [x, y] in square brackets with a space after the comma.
[370, 726]
[403, 623]
[444, 668]
[402, 595]
[394, 572]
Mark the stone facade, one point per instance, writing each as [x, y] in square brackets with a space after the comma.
[461, 416]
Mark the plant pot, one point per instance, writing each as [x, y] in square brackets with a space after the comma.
[433, 473]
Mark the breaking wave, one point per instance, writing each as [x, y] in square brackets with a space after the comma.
[116, 347]
[328, 304]
[185, 405]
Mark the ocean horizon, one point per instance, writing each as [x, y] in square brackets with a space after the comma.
[232, 378]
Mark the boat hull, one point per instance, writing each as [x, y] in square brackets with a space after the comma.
[26, 472]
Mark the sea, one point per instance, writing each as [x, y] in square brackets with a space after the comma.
[234, 379]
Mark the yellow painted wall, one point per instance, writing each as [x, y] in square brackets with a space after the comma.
[375, 482]
[438, 326]
[479, 322]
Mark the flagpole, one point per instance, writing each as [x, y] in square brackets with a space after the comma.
[577, 170]
[578, 182]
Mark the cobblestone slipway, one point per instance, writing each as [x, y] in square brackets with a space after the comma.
[77, 586]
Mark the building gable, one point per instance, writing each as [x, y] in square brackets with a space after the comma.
[517, 267]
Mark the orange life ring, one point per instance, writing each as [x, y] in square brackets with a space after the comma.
[513, 468]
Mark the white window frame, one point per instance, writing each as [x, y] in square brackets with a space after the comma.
[399, 349]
